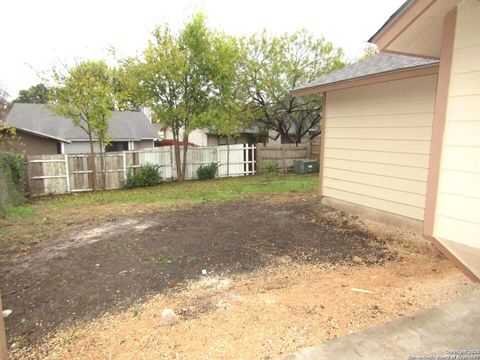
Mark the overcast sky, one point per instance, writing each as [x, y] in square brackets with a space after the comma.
[39, 34]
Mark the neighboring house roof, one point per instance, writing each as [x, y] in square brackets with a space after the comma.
[168, 142]
[39, 119]
[158, 127]
[254, 129]
[380, 63]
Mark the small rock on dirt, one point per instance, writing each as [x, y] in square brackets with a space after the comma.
[357, 260]
[6, 313]
[169, 317]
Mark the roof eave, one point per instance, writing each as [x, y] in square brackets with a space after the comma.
[393, 18]
[116, 139]
[422, 70]
[398, 22]
[41, 134]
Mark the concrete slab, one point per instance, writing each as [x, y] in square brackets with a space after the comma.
[455, 325]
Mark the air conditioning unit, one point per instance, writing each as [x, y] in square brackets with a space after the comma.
[305, 166]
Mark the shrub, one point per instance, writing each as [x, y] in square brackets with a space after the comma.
[268, 168]
[205, 172]
[12, 180]
[147, 175]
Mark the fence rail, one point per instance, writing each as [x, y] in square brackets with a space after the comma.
[60, 174]
[315, 149]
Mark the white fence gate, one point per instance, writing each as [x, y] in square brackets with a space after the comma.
[236, 160]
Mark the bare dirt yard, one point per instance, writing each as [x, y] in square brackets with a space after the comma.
[281, 273]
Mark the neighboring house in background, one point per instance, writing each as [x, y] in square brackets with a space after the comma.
[401, 133]
[196, 137]
[206, 137]
[251, 135]
[42, 132]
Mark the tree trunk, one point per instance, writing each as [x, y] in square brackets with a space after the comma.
[103, 165]
[228, 156]
[93, 163]
[185, 148]
[176, 147]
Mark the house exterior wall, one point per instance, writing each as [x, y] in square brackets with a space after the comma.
[30, 144]
[79, 147]
[457, 215]
[377, 144]
[197, 136]
[142, 145]
[83, 147]
[212, 140]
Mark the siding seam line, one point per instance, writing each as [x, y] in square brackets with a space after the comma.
[375, 162]
[399, 114]
[374, 197]
[376, 186]
[379, 151]
[367, 173]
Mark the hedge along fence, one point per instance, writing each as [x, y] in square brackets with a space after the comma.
[12, 180]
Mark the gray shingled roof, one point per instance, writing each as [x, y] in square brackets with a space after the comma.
[39, 119]
[376, 64]
[400, 10]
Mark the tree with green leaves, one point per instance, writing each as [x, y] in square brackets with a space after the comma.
[127, 80]
[8, 138]
[273, 66]
[185, 78]
[85, 95]
[38, 94]
[4, 104]
[368, 51]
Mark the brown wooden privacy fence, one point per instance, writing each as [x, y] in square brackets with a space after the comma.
[315, 149]
[283, 154]
[59, 174]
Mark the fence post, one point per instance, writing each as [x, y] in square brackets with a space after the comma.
[67, 173]
[254, 159]
[283, 158]
[3, 336]
[217, 151]
[172, 163]
[29, 178]
[308, 150]
[124, 167]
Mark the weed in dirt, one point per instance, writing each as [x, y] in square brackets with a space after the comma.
[191, 259]
[163, 260]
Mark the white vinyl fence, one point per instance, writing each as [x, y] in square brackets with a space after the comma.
[59, 174]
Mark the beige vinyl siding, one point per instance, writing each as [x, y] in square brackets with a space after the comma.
[377, 145]
[457, 216]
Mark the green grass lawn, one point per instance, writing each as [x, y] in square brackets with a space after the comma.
[43, 218]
